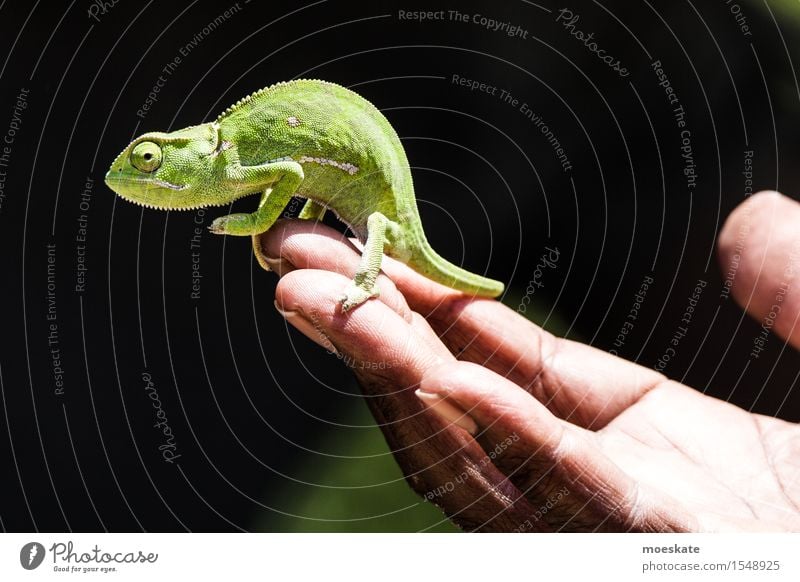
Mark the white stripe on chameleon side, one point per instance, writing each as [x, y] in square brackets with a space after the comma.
[344, 166]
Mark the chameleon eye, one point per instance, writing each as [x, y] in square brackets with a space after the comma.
[146, 156]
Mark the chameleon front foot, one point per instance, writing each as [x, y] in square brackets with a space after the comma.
[354, 296]
[235, 224]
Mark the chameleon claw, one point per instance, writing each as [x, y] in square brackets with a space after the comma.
[233, 224]
[218, 226]
[354, 296]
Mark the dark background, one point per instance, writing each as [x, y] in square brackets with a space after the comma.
[270, 430]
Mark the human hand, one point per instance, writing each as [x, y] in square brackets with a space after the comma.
[508, 428]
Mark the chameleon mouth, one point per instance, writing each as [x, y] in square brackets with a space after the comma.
[172, 208]
[173, 187]
[154, 182]
[156, 207]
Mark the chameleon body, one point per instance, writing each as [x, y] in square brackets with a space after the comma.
[306, 138]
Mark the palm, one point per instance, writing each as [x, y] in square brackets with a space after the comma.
[728, 467]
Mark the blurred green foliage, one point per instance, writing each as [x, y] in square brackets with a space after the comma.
[782, 8]
[388, 505]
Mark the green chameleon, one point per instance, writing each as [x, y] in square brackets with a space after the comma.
[306, 138]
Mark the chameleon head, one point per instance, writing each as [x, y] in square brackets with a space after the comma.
[168, 171]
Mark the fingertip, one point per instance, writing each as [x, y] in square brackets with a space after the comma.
[490, 399]
[451, 378]
[753, 218]
[759, 253]
[308, 290]
[755, 208]
[373, 334]
[447, 411]
[308, 244]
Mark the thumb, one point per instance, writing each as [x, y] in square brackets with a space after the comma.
[759, 253]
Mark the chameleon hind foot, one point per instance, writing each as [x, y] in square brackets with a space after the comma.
[363, 285]
[354, 296]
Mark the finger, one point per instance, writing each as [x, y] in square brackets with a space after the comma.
[390, 358]
[305, 244]
[556, 465]
[310, 295]
[759, 252]
[578, 383]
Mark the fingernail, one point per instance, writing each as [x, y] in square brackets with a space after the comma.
[280, 265]
[315, 333]
[448, 411]
[277, 264]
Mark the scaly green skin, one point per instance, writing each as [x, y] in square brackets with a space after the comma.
[305, 138]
